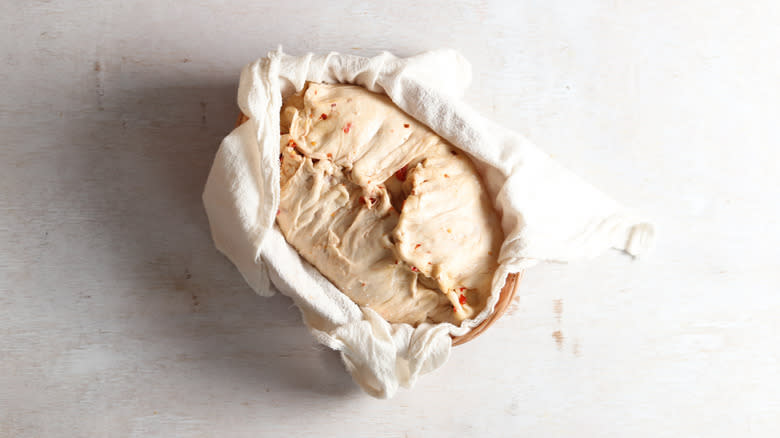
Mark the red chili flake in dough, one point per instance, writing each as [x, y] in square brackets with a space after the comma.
[278, 211]
[347, 127]
[330, 155]
[372, 200]
[446, 176]
[462, 299]
[332, 105]
[400, 174]
[406, 125]
[314, 143]
[417, 246]
[324, 116]
[462, 289]
[454, 309]
[414, 269]
[291, 143]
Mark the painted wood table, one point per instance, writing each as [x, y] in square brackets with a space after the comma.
[118, 318]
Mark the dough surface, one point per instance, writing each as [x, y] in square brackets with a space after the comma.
[393, 215]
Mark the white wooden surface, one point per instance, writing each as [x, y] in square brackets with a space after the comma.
[119, 318]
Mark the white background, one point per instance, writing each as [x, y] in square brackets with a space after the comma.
[119, 318]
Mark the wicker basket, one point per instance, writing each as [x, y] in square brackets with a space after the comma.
[507, 293]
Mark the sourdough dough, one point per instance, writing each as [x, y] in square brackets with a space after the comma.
[393, 215]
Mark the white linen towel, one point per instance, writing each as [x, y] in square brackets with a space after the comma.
[548, 213]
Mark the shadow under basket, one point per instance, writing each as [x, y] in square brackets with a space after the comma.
[507, 292]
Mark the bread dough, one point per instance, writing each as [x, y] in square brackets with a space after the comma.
[393, 215]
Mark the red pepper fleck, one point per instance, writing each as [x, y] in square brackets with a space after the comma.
[414, 269]
[454, 309]
[346, 128]
[446, 176]
[330, 155]
[400, 175]
[462, 289]
[462, 299]
[324, 116]
[406, 125]
[332, 105]
[372, 200]
[417, 246]
[396, 262]
[278, 211]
